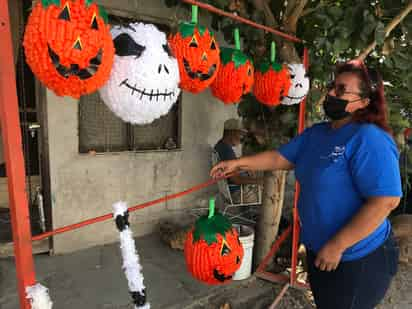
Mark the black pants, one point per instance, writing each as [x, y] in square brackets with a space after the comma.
[358, 284]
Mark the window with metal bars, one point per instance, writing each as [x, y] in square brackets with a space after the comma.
[102, 131]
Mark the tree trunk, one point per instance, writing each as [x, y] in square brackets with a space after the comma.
[270, 213]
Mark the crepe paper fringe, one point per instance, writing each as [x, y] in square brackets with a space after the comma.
[142, 89]
[272, 86]
[44, 29]
[213, 252]
[232, 83]
[195, 58]
[203, 259]
[39, 297]
[131, 261]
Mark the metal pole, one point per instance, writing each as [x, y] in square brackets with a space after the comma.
[280, 296]
[212, 9]
[13, 153]
[296, 224]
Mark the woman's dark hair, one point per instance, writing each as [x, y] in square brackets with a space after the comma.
[371, 86]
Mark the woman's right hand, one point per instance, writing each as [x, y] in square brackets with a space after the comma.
[224, 168]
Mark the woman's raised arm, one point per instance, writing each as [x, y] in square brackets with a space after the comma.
[265, 161]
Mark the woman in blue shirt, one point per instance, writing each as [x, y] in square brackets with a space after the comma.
[350, 182]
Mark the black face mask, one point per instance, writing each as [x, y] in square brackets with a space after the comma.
[335, 107]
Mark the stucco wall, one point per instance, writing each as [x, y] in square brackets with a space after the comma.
[85, 186]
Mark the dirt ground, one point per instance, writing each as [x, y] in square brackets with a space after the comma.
[399, 295]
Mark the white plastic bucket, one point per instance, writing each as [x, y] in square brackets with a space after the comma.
[246, 237]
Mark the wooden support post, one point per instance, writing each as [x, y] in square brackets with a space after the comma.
[13, 153]
[270, 213]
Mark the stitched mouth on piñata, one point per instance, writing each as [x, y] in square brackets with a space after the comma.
[295, 98]
[152, 93]
[220, 277]
[74, 69]
[200, 75]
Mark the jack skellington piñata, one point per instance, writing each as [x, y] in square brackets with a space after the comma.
[300, 84]
[143, 85]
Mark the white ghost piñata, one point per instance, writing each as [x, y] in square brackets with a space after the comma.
[299, 84]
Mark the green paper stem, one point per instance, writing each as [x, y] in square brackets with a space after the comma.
[194, 13]
[273, 52]
[237, 39]
[211, 208]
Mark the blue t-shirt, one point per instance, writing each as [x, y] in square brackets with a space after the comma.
[225, 151]
[338, 169]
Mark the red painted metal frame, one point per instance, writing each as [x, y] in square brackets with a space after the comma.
[13, 152]
[131, 209]
[295, 228]
[296, 223]
[212, 9]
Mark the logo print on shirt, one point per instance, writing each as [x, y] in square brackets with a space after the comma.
[337, 152]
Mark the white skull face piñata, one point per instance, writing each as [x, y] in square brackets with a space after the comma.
[143, 84]
[300, 84]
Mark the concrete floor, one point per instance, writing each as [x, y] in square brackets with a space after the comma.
[93, 278]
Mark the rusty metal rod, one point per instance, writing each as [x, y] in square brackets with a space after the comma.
[212, 9]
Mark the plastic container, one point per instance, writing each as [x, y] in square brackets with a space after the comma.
[247, 238]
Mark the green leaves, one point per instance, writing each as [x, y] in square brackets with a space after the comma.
[103, 14]
[47, 3]
[188, 29]
[230, 54]
[380, 33]
[208, 229]
[265, 66]
[335, 12]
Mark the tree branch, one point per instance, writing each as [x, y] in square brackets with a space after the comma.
[289, 8]
[388, 29]
[263, 6]
[291, 19]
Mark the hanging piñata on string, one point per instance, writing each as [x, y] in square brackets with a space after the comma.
[299, 84]
[235, 76]
[68, 46]
[272, 81]
[197, 52]
[213, 251]
[143, 85]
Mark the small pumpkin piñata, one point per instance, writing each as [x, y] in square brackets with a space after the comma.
[68, 46]
[213, 251]
[236, 74]
[272, 81]
[197, 53]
